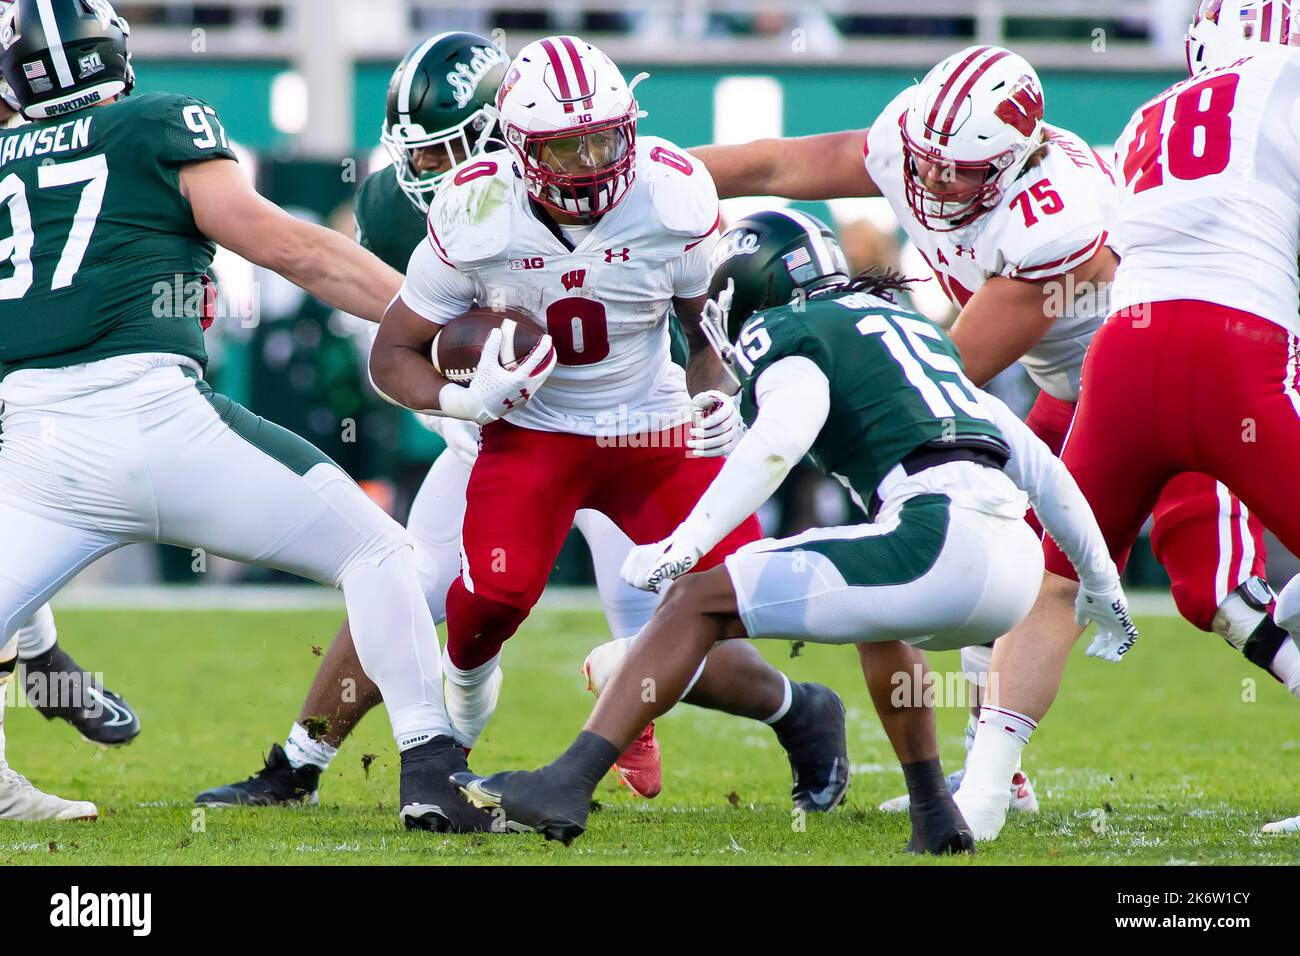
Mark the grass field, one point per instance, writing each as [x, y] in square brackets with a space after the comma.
[1168, 758]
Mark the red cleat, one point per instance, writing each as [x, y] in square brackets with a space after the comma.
[638, 767]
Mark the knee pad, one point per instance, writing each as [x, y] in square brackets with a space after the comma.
[477, 626]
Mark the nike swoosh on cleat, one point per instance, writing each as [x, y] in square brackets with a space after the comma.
[827, 793]
[120, 716]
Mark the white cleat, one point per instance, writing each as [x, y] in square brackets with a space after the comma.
[1290, 825]
[985, 811]
[20, 800]
[470, 708]
[1023, 798]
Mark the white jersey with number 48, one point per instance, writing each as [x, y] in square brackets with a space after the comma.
[1210, 191]
[1050, 221]
[604, 299]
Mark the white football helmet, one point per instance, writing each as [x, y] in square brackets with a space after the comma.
[570, 118]
[974, 123]
[1223, 30]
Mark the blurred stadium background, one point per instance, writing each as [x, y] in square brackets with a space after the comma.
[300, 85]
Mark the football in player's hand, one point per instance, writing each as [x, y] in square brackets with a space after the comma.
[457, 347]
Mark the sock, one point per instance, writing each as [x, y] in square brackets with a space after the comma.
[302, 749]
[925, 780]
[6, 672]
[586, 761]
[471, 697]
[398, 646]
[1285, 666]
[995, 755]
[39, 635]
[787, 703]
[1235, 620]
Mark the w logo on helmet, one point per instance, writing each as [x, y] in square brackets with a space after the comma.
[1023, 109]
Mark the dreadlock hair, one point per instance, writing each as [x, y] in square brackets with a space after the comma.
[879, 282]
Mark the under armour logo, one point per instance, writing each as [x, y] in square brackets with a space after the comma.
[623, 256]
[524, 395]
[965, 251]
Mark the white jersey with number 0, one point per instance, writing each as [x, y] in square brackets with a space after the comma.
[1210, 191]
[1050, 221]
[604, 302]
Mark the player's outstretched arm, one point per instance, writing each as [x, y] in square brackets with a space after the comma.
[1007, 317]
[1066, 515]
[825, 166]
[333, 268]
[704, 369]
[793, 404]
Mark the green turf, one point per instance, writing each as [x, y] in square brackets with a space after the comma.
[1170, 755]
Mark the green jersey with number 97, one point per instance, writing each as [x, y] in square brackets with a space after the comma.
[99, 253]
[896, 382]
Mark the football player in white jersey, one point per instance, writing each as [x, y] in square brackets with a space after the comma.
[1208, 233]
[436, 115]
[596, 234]
[1014, 216]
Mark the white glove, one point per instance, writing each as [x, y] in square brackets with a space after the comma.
[716, 425]
[495, 390]
[461, 436]
[651, 566]
[1108, 609]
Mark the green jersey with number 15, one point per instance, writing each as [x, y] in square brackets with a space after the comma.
[896, 382]
[101, 256]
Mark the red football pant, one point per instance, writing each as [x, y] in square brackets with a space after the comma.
[1204, 536]
[522, 496]
[1187, 386]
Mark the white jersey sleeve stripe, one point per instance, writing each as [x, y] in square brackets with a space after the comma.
[1063, 265]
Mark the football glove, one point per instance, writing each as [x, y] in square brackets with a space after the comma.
[653, 566]
[1108, 609]
[716, 425]
[494, 390]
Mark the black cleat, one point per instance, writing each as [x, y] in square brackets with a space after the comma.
[938, 827]
[527, 801]
[428, 799]
[57, 686]
[277, 784]
[812, 734]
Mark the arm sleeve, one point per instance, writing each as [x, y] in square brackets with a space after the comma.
[690, 271]
[434, 289]
[793, 403]
[1057, 500]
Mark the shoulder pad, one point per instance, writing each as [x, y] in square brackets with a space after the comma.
[681, 190]
[884, 144]
[1035, 243]
[471, 215]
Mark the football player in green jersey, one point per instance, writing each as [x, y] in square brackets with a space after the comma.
[875, 395]
[114, 205]
[53, 683]
[435, 112]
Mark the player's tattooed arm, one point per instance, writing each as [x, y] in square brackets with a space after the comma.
[328, 264]
[826, 166]
[704, 370]
[1007, 317]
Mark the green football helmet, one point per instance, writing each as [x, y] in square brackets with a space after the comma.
[764, 261]
[59, 56]
[436, 101]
